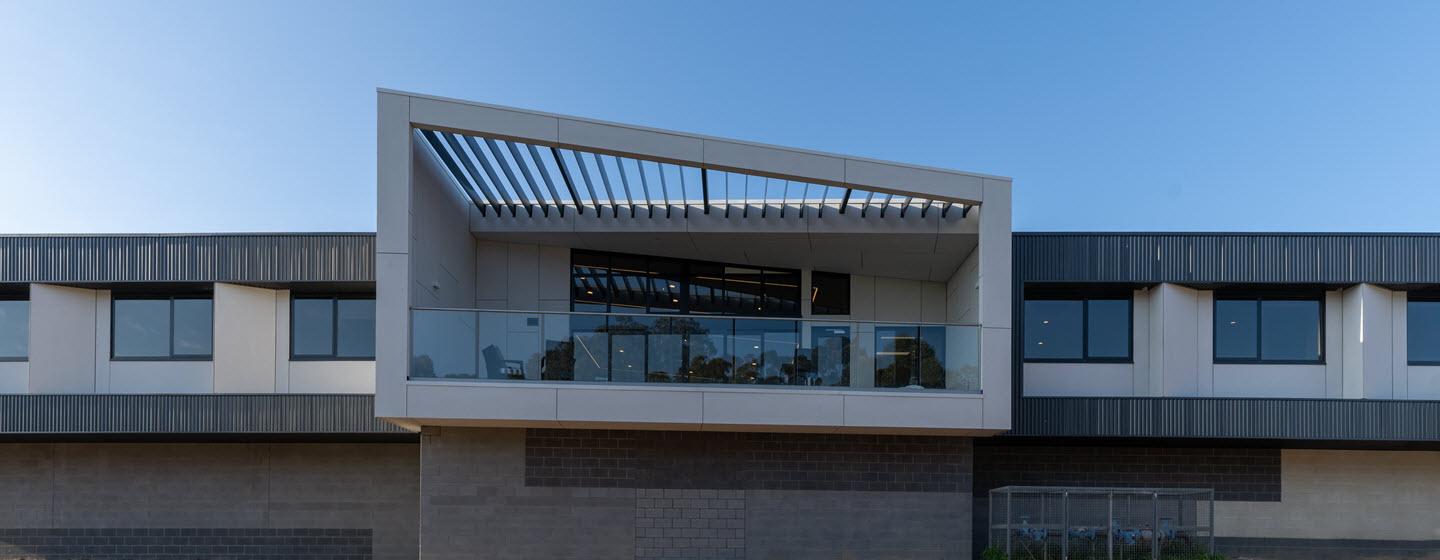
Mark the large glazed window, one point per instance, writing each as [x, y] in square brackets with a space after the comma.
[14, 330]
[332, 328]
[1269, 329]
[161, 328]
[1070, 328]
[1422, 328]
[617, 283]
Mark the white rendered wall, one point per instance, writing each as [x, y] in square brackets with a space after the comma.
[1367, 347]
[14, 377]
[62, 339]
[354, 376]
[442, 258]
[162, 377]
[245, 339]
[962, 292]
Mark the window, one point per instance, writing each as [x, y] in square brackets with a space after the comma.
[1269, 329]
[829, 293]
[332, 328]
[14, 330]
[1075, 328]
[161, 328]
[1422, 319]
[615, 283]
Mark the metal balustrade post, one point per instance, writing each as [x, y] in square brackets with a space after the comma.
[1110, 526]
[1065, 525]
[1155, 525]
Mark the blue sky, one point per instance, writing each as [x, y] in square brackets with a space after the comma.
[260, 116]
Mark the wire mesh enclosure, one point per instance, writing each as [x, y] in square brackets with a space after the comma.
[1078, 523]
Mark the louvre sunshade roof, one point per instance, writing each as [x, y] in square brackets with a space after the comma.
[523, 179]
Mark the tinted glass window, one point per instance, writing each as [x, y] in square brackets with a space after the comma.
[1423, 329]
[312, 324]
[1054, 329]
[141, 328]
[1108, 329]
[604, 282]
[327, 328]
[1290, 330]
[590, 282]
[356, 324]
[14, 329]
[782, 293]
[194, 324]
[1237, 329]
[829, 293]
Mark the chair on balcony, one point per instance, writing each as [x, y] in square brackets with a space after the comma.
[497, 367]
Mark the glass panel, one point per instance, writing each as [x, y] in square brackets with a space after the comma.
[591, 345]
[744, 287]
[777, 360]
[356, 338]
[782, 293]
[311, 325]
[667, 285]
[14, 329]
[1423, 329]
[1053, 329]
[665, 348]
[707, 288]
[141, 328]
[628, 279]
[589, 282]
[829, 293]
[1109, 328]
[930, 354]
[896, 357]
[559, 362]
[509, 345]
[194, 327]
[1290, 330]
[1237, 329]
[825, 362]
[443, 344]
[708, 351]
[627, 343]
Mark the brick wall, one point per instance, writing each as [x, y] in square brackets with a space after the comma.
[186, 496]
[546, 493]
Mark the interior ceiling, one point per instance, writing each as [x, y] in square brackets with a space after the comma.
[516, 179]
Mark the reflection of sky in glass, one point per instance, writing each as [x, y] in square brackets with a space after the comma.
[312, 324]
[14, 329]
[1291, 330]
[142, 328]
[1423, 324]
[194, 326]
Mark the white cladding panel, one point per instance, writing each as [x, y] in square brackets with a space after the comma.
[245, 339]
[14, 377]
[62, 339]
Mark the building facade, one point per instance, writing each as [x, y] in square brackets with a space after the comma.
[580, 339]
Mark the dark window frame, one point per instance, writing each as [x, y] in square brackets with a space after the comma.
[686, 304]
[170, 337]
[24, 298]
[334, 328]
[1417, 297]
[1084, 297]
[1259, 298]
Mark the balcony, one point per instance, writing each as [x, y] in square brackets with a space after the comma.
[481, 345]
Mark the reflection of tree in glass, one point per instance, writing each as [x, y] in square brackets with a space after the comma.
[919, 365]
[422, 366]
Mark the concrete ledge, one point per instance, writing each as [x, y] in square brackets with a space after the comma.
[692, 407]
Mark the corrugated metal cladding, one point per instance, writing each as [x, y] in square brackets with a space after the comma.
[1282, 419]
[1206, 258]
[191, 414]
[325, 257]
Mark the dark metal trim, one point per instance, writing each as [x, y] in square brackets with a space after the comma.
[1229, 418]
[191, 414]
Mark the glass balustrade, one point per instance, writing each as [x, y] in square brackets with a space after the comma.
[455, 344]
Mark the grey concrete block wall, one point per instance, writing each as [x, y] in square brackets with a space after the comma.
[542, 493]
[157, 490]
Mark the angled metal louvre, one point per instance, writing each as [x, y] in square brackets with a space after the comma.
[1211, 258]
[504, 177]
[242, 258]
